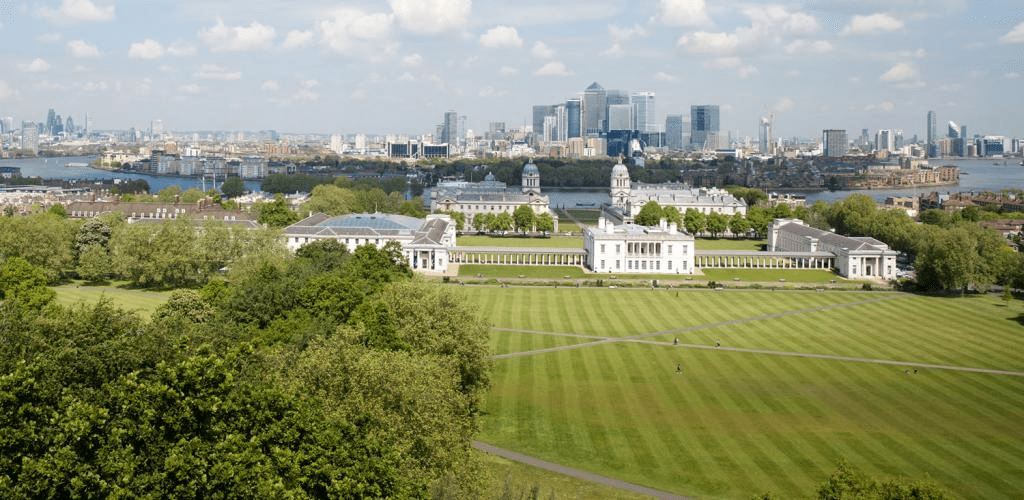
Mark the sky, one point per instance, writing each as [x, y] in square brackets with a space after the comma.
[395, 66]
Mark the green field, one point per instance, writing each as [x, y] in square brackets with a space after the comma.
[532, 272]
[519, 242]
[729, 244]
[586, 216]
[726, 276]
[758, 414]
[142, 301]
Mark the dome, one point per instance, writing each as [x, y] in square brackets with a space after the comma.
[620, 170]
[530, 168]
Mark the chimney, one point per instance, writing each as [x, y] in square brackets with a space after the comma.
[600, 223]
[672, 228]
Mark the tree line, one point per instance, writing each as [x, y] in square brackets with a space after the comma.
[328, 373]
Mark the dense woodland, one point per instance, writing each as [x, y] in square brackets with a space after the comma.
[324, 374]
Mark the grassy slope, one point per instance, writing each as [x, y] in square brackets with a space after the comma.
[736, 424]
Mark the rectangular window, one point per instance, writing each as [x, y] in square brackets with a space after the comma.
[602, 249]
[618, 249]
[657, 265]
[643, 265]
[616, 265]
[668, 249]
[670, 265]
[602, 264]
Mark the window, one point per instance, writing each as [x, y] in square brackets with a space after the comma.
[616, 264]
[670, 265]
[602, 249]
[657, 265]
[602, 264]
[643, 265]
[618, 249]
[668, 249]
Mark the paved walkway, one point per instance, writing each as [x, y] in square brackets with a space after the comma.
[577, 473]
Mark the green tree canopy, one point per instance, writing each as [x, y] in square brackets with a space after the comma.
[232, 187]
[650, 214]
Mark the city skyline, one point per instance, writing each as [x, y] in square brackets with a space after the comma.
[360, 67]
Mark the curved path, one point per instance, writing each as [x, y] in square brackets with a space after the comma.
[577, 473]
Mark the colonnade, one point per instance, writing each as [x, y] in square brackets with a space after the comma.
[765, 260]
[519, 256]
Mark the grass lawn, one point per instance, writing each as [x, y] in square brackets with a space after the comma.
[729, 244]
[534, 272]
[586, 216]
[503, 476]
[143, 302]
[736, 424]
[519, 242]
[726, 276]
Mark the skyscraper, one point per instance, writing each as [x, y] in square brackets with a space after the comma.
[51, 121]
[620, 117]
[933, 137]
[764, 142]
[574, 117]
[595, 105]
[834, 143]
[704, 126]
[450, 128]
[674, 132]
[540, 112]
[643, 107]
[884, 140]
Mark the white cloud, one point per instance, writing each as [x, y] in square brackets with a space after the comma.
[297, 38]
[411, 61]
[431, 16]
[616, 50]
[623, 35]
[216, 72]
[508, 71]
[1013, 75]
[554, 68]
[747, 71]
[190, 88]
[887, 105]
[49, 86]
[359, 95]
[901, 72]
[94, 86]
[6, 92]
[223, 38]
[50, 38]
[661, 76]
[83, 49]
[1016, 35]
[489, 91]
[146, 49]
[407, 77]
[808, 47]
[72, 11]
[181, 49]
[783, 104]
[682, 13]
[270, 85]
[723, 63]
[501, 37]
[352, 31]
[872, 24]
[769, 25]
[36, 66]
[542, 51]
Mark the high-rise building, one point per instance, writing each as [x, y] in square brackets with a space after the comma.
[620, 117]
[496, 131]
[674, 132]
[69, 126]
[595, 105]
[643, 107]
[29, 137]
[704, 126]
[540, 113]
[834, 143]
[574, 118]
[933, 136]
[953, 130]
[156, 129]
[885, 140]
[7, 125]
[450, 128]
[51, 121]
[336, 143]
[764, 143]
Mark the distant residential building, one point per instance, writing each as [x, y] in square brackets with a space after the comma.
[855, 257]
[885, 140]
[633, 249]
[834, 143]
[932, 137]
[30, 137]
[425, 243]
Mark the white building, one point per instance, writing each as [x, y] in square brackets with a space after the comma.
[629, 248]
[425, 243]
[492, 196]
[855, 257]
[628, 198]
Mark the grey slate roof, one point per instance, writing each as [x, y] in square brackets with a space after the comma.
[837, 240]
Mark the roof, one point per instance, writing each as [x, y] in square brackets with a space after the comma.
[375, 221]
[376, 225]
[833, 239]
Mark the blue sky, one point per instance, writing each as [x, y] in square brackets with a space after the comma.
[398, 65]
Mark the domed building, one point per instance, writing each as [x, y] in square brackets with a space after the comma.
[626, 198]
[492, 196]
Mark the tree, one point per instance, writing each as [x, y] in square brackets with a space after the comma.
[738, 225]
[168, 194]
[23, 284]
[331, 200]
[232, 187]
[849, 483]
[276, 214]
[672, 214]
[94, 263]
[717, 223]
[649, 215]
[694, 220]
[759, 219]
[524, 218]
[500, 222]
[545, 222]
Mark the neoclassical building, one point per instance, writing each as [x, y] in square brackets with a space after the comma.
[855, 257]
[492, 196]
[627, 198]
[632, 249]
[426, 243]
